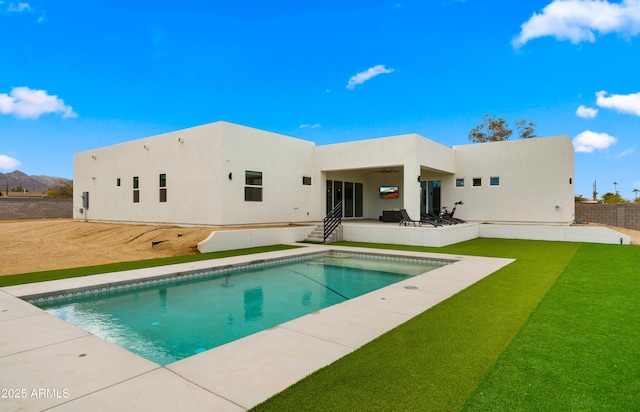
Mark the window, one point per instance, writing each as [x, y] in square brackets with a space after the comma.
[136, 192]
[253, 186]
[306, 180]
[494, 181]
[477, 181]
[460, 182]
[163, 187]
[252, 194]
[253, 178]
[118, 182]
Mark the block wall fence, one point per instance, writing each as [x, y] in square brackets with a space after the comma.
[19, 208]
[625, 215]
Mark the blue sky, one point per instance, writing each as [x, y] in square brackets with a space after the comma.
[76, 75]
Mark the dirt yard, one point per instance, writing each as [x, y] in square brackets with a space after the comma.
[36, 245]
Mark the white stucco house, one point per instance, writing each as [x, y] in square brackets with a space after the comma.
[226, 174]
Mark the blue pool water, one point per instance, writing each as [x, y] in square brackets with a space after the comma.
[173, 319]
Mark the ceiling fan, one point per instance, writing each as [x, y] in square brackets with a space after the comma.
[385, 170]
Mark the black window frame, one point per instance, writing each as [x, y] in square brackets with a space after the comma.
[136, 189]
[253, 186]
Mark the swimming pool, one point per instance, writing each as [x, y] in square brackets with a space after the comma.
[168, 319]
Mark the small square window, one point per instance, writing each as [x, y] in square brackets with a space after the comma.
[494, 181]
[459, 182]
[477, 181]
[163, 180]
[163, 195]
[136, 196]
[252, 194]
[253, 178]
[136, 182]
[306, 180]
[118, 182]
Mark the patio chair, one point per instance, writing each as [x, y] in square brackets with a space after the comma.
[406, 219]
[427, 219]
[439, 219]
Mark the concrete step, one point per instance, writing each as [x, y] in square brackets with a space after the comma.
[317, 236]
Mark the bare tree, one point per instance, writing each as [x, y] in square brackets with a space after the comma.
[526, 130]
[61, 188]
[497, 129]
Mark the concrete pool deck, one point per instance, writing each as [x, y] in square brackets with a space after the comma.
[49, 364]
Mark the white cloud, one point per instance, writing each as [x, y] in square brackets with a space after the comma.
[309, 126]
[586, 112]
[29, 103]
[579, 20]
[624, 103]
[588, 141]
[7, 163]
[627, 152]
[367, 75]
[14, 7]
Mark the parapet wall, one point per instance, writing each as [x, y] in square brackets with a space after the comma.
[19, 208]
[625, 215]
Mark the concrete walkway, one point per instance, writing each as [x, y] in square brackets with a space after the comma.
[49, 364]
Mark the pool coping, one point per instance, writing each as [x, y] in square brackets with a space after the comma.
[58, 366]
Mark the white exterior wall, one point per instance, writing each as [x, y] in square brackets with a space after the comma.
[191, 166]
[283, 162]
[536, 175]
[406, 154]
[197, 162]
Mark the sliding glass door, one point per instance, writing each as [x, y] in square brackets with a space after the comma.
[430, 197]
[351, 194]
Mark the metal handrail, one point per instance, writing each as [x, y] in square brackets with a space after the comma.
[332, 221]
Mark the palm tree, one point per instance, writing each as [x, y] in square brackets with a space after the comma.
[636, 192]
[615, 186]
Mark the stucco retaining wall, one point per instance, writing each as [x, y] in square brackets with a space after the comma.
[19, 208]
[415, 236]
[410, 235]
[438, 237]
[244, 238]
[555, 233]
[626, 215]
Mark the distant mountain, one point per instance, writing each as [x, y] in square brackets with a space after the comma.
[30, 183]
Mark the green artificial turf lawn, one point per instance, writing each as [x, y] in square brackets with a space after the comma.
[438, 360]
[580, 349]
[33, 277]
